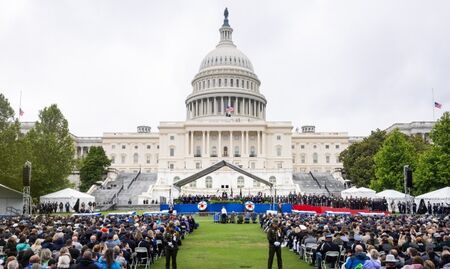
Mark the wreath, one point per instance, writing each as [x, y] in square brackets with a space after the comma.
[249, 206]
[202, 205]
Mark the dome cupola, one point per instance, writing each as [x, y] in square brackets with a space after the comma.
[226, 85]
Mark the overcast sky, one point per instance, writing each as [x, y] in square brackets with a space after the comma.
[350, 66]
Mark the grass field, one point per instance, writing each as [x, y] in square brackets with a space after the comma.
[228, 246]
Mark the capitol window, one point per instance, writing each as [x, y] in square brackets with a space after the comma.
[135, 147]
[135, 158]
[214, 151]
[225, 82]
[278, 137]
[279, 165]
[242, 84]
[198, 151]
[113, 146]
[314, 146]
[148, 146]
[337, 146]
[198, 165]
[236, 152]
[208, 182]
[279, 151]
[327, 146]
[252, 165]
[231, 82]
[303, 158]
[327, 159]
[214, 82]
[123, 146]
[302, 146]
[123, 158]
[220, 82]
[240, 182]
[252, 151]
[315, 157]
[148, 158]
[113, 159]
[237, 82]
[172, 151]
[209, 86]
[171, 166]
[256, 184]
[193, 184]
[172, 137]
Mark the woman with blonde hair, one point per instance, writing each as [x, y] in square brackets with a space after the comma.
[64, 259]
[37, 246]
[373, 262]
[46, 256]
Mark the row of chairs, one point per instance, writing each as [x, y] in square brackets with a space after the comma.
[332, 259]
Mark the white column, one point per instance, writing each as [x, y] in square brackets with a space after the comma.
[203, 143]
[192, 143]
[246, 143]
[222, 107]
[230, 148]
[215, 105]
[186, 143]
[220, 145]
[241, 151]
[207, 142]
[258, 144]
[263, 143]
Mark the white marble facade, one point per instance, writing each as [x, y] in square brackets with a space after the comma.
[225, 120]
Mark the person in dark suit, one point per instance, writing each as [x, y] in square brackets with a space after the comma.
[275, 237]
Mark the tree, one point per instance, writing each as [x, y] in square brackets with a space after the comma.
[396, 152]
[358, 158]
[93, 167]
[52, 150]
[433, 170]
[12, 147]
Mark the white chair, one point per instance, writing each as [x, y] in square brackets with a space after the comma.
[141, 257]
[332, 256]
[309, 252]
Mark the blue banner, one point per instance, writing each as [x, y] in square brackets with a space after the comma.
[259, 208]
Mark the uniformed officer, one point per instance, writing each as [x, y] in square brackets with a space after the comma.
[274, 236]
[171, 245]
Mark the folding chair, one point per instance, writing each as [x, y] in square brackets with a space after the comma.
[309, 252]
[141, 257]
[331, 259]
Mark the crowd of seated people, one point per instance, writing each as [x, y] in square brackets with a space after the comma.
[378, 204]
[93, 242]
[369, 242]
[55, 207]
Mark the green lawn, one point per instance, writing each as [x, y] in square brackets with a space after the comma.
[228, 246]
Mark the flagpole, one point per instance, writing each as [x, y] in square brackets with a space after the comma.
[432, 96]
[20, 104]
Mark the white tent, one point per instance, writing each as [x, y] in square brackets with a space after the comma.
[68, 195]
[11, 201]
[358, 193]
[437, 196]
[393, 197]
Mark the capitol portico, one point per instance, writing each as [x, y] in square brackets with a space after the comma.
[225, 121]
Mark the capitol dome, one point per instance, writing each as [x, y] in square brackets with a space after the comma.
[226, 55]
[226, 85]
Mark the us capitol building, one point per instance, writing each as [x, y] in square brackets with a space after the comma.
[225, 121]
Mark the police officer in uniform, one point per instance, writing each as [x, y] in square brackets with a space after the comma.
[171, 245]
[274, 236]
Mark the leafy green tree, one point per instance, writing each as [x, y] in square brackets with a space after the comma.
[52, 150]
[358, 158]
[93, 167]
[12, 147]
[433, 170]
[396, 151]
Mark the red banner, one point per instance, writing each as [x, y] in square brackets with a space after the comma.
[323, 209]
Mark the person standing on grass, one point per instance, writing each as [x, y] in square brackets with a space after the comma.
[171, 245]
[274, 236]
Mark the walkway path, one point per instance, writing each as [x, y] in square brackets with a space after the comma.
[230, 246]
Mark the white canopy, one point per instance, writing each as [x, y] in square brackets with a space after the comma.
[358, 193]
[438, 196]
[392, 195]
[68, 195]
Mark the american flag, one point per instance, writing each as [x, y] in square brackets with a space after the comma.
[21, 112]
[229, 109]
[437, 105]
